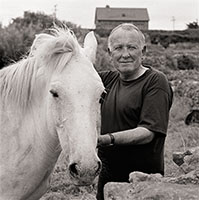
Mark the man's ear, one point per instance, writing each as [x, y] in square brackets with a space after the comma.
[109, 52]
[144, 50]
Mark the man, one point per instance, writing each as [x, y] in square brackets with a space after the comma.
[135, 111]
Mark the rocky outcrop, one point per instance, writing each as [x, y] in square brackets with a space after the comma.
[192, 117]
[153, 186]
[150, 190]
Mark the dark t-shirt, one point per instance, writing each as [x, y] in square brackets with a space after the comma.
[143, 102]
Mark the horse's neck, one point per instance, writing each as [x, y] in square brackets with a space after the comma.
[26, 150]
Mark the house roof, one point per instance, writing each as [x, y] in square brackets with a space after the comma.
[121, 14]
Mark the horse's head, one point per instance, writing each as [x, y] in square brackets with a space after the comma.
[73, 101]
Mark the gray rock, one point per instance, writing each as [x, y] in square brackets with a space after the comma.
[155, 187]
[148, 190]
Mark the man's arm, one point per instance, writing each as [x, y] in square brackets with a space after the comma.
[136, 136]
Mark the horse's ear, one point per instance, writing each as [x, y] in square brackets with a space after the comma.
[90, 46]
[39, 39]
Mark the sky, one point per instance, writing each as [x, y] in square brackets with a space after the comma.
[163, 14]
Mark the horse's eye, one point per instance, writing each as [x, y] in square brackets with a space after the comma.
[54, 93]
[102, 98]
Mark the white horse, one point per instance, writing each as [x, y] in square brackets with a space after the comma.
[49, 102]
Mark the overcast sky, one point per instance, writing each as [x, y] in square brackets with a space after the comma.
[82, 12]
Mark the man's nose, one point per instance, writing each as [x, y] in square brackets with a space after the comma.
[125, 53]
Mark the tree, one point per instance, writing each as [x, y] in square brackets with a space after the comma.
[193, 25]
[17, 37]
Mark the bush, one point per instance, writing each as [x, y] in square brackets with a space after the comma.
[103, 32]
[185, 62]
[170, 37]
[103, 60]
[17, 37]
[170, 63]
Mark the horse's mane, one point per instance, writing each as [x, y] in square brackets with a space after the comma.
[49, 53]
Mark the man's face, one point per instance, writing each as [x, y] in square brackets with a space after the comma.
[126, 51]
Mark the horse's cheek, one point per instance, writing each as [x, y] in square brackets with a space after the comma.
[52, 114]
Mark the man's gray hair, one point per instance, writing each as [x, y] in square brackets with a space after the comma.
[128, 27]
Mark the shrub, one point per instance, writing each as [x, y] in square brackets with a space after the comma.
[17, 37]
[170, 62]
[170, 37]
[185, 62]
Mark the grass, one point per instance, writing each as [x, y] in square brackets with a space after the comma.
[180, 136]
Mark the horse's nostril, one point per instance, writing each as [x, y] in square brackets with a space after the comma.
[74, 169]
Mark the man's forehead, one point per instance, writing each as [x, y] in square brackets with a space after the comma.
[121, 33]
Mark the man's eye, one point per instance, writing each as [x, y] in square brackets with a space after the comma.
[118, 48]
[131, 47]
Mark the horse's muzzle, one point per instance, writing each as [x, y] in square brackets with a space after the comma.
[82, 175]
